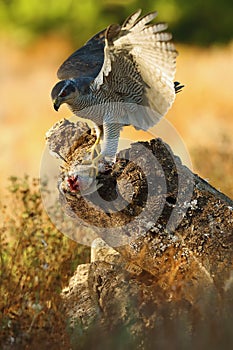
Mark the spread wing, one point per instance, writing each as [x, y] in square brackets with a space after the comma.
[86, 61]
[139, 65]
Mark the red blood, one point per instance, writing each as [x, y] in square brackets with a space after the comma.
[73, 183]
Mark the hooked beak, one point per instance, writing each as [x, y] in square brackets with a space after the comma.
[56, 104]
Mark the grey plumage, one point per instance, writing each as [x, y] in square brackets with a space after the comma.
[122, 76]
[86, 61]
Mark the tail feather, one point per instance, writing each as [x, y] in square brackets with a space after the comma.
[178, 87]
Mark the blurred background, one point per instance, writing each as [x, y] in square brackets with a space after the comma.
[37, 36]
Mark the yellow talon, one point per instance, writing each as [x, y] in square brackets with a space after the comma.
[94, 149]
[96, 146]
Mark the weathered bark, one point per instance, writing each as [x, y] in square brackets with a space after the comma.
[175, 230]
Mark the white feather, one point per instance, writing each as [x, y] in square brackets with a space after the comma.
[155, 59]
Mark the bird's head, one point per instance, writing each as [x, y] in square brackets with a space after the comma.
[63, 92]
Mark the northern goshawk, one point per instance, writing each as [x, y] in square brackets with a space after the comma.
[124, 75]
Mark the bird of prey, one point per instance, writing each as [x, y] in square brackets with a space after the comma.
[124, 75]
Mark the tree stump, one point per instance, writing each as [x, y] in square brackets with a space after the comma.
[172, 230]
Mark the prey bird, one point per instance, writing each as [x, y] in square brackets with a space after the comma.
[124, 75]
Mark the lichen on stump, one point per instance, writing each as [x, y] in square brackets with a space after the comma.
[174, 227]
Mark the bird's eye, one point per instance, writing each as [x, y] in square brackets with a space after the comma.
[67, 91]
[63, 93]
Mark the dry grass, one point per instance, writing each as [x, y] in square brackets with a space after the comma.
[39, 262]
[36, 262]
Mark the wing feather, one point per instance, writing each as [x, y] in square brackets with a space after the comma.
[142, 21]
[129, 22]
[140, 54]
[86, 61]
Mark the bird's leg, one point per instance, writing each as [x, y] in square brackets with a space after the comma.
[110, 140]
[92, 161]
[111, 134]
[96, 147]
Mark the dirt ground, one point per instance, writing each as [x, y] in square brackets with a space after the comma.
[202, 112]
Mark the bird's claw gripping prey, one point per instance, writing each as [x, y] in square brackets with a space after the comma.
[133, 64]
[81, 179]
[94, 158]
[93, 164]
